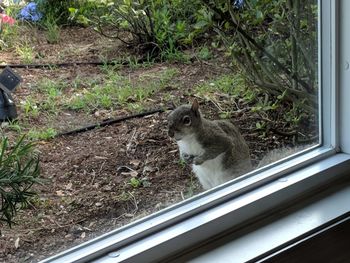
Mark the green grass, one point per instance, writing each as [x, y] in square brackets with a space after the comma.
[29, 107]
[120, 91]
[174, 55]
[8, 36]
[41, 134]
[26, 53]
[53, 93]
[233, 85]
[49, 101]
[109, 91]
[53, 30]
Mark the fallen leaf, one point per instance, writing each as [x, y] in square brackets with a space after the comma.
[135, 163]
[69, 186]
[83, 235]
[60, 193]
[17, 243]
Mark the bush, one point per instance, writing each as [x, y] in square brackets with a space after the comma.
[63, 12]
[19, 171]
[274, 43]
[153, 26]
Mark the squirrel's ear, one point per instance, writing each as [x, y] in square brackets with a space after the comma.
[195, 107]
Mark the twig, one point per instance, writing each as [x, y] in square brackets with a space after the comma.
[216, 105]
[99, 171]
[128, 146]
[135, 203]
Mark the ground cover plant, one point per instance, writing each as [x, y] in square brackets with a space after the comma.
[75, 74]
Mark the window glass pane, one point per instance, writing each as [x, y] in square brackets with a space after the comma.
[166, 100]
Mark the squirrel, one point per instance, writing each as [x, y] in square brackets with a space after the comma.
[216, 149]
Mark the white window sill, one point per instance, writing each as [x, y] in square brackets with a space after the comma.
[254, 243]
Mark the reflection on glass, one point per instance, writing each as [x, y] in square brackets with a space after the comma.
[246, 73]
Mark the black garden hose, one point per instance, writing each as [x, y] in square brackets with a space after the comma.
[112, 121]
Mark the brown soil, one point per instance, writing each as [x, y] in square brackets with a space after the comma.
[87, 189]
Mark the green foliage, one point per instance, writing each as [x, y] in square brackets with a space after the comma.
[57, 9]
[42, 134]
[52, 91]
[204, 53]
[50, 100]
[139, 182]
[274, 43]
[155, 25]
[52, 30]
[8, 36]
[234, 86]
[81, 11]
[9, 33]
[26, 52]
[19, 171]
[29, 107]
[119, 91]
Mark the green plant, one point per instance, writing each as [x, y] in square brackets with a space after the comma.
[119, 91]
[204, 53]
[8, 36]
[29, 107]
[14, 126]
[52, 30]
[80, 12]
[155, 26]
[274, 43]
[42, 134]
[57, 9]
[53, 93]
[26, 52]
[139, 182]
[232, 85]
[19, 171]
[172, 54]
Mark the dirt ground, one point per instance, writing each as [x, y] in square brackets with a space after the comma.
[87, 189]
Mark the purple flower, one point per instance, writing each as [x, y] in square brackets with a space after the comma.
[30, 13]
[238, 4]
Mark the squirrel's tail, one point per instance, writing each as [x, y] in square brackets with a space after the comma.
[280, 153]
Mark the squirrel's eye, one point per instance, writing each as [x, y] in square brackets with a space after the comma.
[186, 120]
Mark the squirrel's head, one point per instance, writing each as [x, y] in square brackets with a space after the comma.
[184, 120]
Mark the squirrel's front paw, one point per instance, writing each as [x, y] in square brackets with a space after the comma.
[187, 158]
[198, 160]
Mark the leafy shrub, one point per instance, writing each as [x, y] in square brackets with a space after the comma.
[19, 170]
[62, 10]
[274, 43]
[153, 26]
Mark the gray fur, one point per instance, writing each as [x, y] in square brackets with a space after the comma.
[204, 140]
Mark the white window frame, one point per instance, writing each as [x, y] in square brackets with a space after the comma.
[234, 204]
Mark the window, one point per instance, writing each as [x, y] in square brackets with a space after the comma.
[233, 205]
